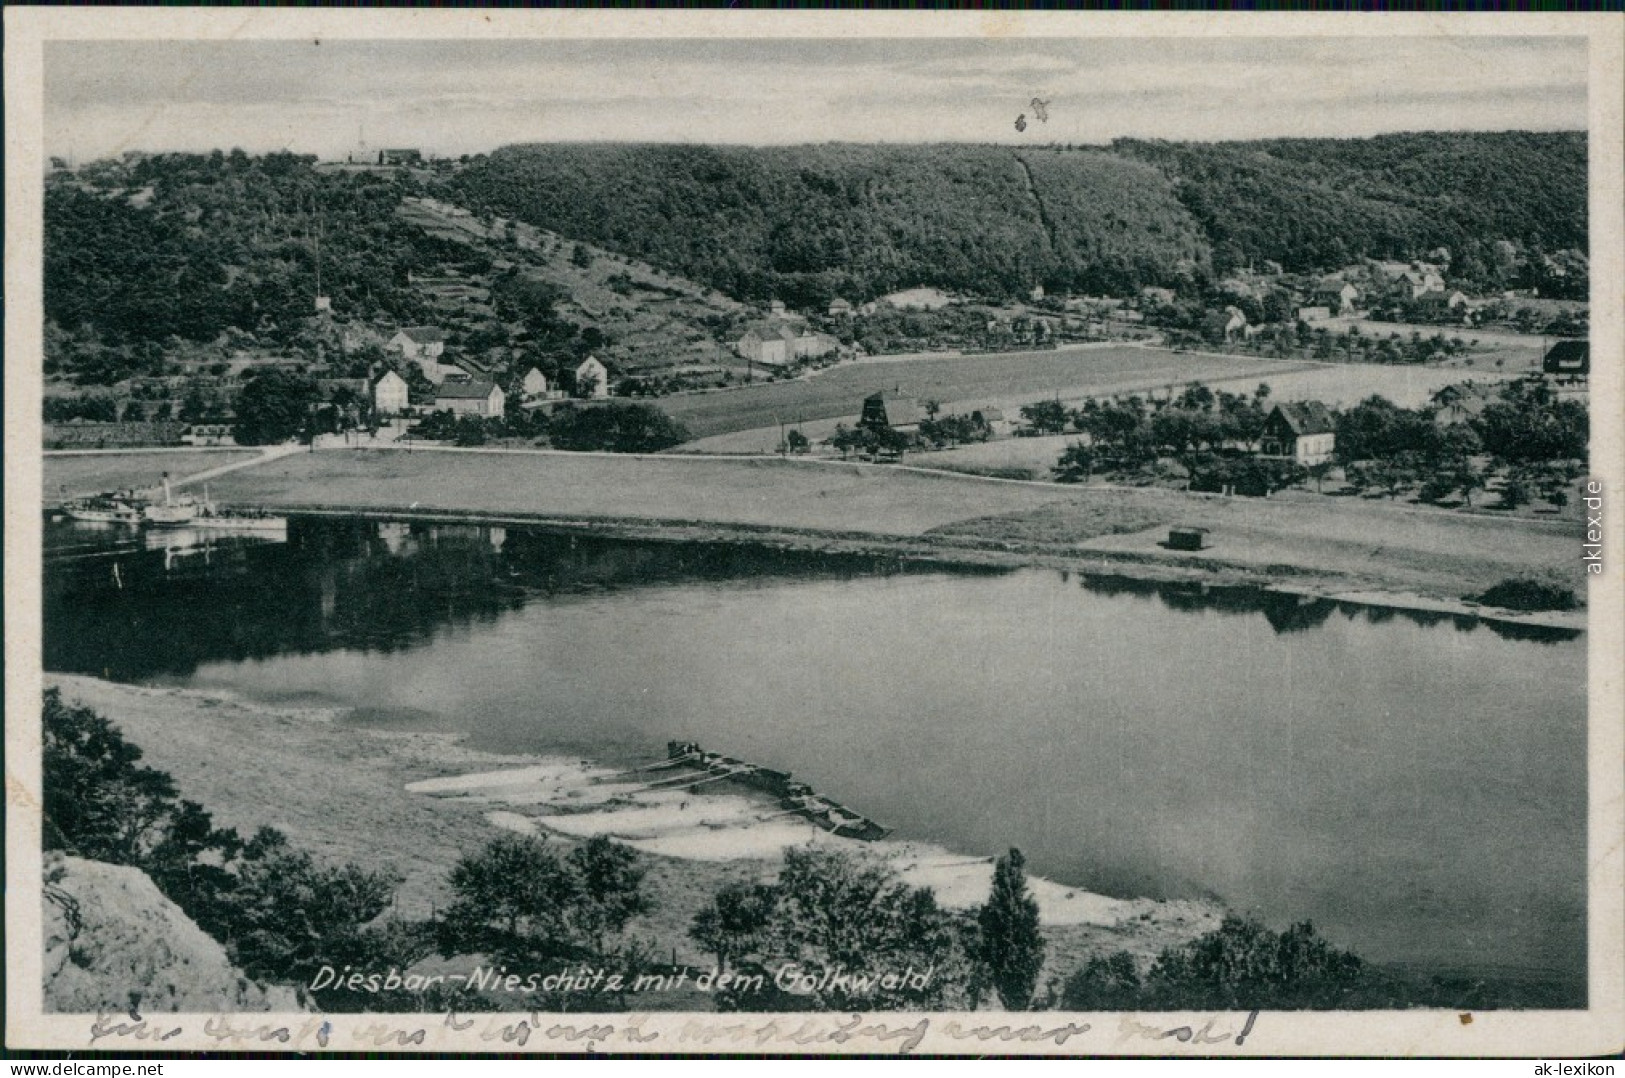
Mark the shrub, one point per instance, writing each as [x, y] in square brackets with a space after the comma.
[1529, 592]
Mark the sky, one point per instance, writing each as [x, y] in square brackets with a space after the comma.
[454, 97]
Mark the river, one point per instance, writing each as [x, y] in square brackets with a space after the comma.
[1413, 784]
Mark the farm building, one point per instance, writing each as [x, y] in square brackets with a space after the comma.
[1444, 304]
[890, 408]
[991, 420]
[1300, 431]
[840, 308]
[389, 394]
[1419, 281]
[1226, 325]
[592, 378]
[534, 384]
[1568, 361]
[1459, 403]
[418, 343]
[470, 398]
[1336, 295]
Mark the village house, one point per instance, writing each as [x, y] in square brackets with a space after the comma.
[533, 385]
[1226, 325]
[592, 378]
[890, 408]
[1459, 402]
[483, 399]
[1444, 304]
[1336, 295]
[840, 308]
[389, 395]
[991, 420]
[1418, 281]
[1568, 361]
[419, 343]
[1300, 431]
[772, 344]
[776, 308]
[809, 343]
[1311, 314]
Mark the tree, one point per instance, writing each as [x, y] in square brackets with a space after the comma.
[1243, 965]
[100, 801]
[1011, 946]
[834, 914]
[287, 916]
[610, 894]
[734, 920]
[1106, 983]
[796, 441]
[519, 900]
[1046, 417]
[513, 898]
[273, 406]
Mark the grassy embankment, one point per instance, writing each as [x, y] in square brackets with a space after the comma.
[93, 473]
[1331, 546]
[339, 790]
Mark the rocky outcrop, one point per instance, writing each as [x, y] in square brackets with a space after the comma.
[113, 942]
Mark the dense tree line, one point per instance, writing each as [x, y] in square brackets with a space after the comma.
[807, 223]
[1316, 204]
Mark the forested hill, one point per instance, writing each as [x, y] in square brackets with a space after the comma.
[1313, 204]
[806, 223]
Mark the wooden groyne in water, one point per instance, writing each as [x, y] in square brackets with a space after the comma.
[793, 796]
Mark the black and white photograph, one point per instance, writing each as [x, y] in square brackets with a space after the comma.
[757, 533]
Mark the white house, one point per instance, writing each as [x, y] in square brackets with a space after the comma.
[418, 343]
[470, 398]
[534, 384]
[1300, 431]
[389, 395]
[592, 378]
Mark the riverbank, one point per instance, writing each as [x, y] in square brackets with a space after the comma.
[415, 803]
[1349, 548]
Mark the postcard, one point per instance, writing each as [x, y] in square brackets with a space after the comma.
[774, 532]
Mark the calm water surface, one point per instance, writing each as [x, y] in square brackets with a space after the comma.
[1414, 785]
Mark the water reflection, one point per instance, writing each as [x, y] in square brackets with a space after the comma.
[1289, 613]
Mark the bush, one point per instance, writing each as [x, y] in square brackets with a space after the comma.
[616, 428]
[1529, 593]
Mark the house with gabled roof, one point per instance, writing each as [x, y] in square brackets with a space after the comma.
[592, 378]
[1568, 361]
[418, 343]
[1336, 294]
[484, 399]
[1303, 432]
[1460, 402]
[890, 408]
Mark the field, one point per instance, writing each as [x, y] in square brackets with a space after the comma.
[1327, 545]
[1334, 384]
[794, 495]
[92, 473]
[967, 381]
